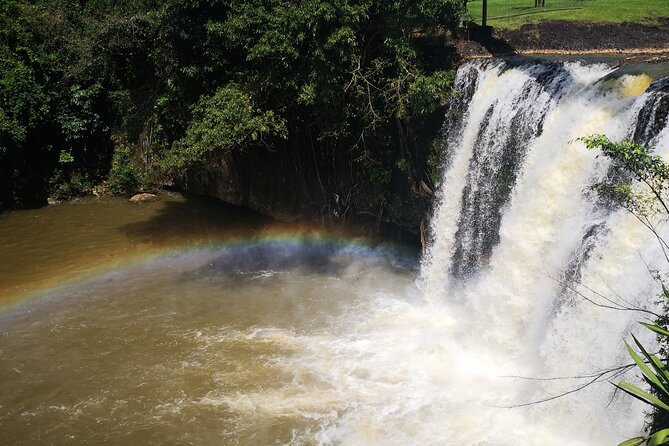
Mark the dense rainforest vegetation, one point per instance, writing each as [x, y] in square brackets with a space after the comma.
[150, 89]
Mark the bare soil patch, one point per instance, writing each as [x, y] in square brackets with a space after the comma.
[570, 37]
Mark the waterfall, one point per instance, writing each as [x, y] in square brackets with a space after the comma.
[527, 260]
[520, 296]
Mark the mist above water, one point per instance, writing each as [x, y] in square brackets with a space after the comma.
[191, 347]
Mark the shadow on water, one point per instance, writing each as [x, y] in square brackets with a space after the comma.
[314, 257]
[235, 266]
[252, 246]
[196, 215]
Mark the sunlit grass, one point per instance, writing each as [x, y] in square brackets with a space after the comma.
[514, 13]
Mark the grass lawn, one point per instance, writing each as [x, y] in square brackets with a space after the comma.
[523, 11]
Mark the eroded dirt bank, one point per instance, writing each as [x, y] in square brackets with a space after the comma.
[569, 37]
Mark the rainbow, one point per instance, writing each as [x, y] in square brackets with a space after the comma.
[277, 239]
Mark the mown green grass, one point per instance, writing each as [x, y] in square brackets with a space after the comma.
[597, 11]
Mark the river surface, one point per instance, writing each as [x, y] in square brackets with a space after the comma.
[45, 246]
[178, 322]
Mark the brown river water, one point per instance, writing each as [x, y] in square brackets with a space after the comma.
[186, 321]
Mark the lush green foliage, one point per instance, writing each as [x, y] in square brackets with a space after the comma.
[124, 176]
[51, 102]
[222, 123]
[630, 158]
[656, 375]
[182, 81]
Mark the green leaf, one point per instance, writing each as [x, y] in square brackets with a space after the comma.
[660, 368]
[659, 438]
[642, 395]
[656, 328]
[636, 441]
[644, 368]
[65, 157]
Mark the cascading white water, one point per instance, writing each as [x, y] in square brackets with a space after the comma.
[553, 243]
[509, 307]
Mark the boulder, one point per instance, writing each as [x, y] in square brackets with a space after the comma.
[144, 198]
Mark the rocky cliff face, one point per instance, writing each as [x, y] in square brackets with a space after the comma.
[294, 186]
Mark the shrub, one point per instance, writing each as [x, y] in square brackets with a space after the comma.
[124, 176]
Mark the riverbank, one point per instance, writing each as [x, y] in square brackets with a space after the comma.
[563, 37]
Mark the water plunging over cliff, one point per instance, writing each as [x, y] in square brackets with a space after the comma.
[522, 250]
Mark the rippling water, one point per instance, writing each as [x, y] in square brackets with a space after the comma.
[157, 325]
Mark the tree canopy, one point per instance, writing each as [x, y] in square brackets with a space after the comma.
[214, 76]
